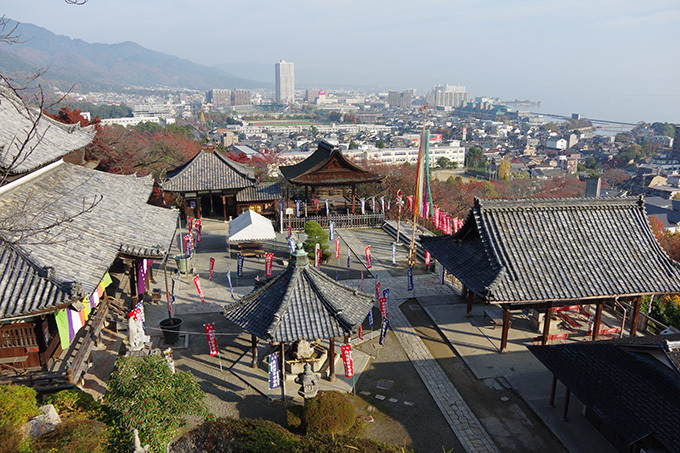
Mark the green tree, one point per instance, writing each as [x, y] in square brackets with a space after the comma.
[380, 144]
[590, 162]
[316, 235]
[144, 394]
[621, 138]
[353, 144]
[444, 162]
[314, 130]
[475, 158]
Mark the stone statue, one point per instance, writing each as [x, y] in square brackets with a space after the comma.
[138, 445]
[168, 358]
[136, 335]
[302, 350]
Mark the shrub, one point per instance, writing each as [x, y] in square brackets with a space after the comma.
[294, 416]
[18, 406]
[329, 413]
[226, 434]
[82, 436]
[316, 235]
[144, 394]
[75, 404]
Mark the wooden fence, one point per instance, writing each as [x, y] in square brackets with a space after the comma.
[341, 221]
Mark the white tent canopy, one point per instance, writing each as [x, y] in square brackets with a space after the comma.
[251, 226]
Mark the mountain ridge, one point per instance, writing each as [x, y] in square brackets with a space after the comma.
[107, 67]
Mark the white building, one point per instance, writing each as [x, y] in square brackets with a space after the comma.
[556, 143]
[285, 82]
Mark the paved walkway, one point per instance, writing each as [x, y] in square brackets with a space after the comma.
[457, 413]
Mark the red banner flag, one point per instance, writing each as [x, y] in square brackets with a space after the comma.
[337, 248]
[346, 351]
[410, 202]
[212, 340]
[268, 260]
[361, 332]
[197, 282]
[427, 258]
[383, 306]
[318, 258]
[199, 227]
[369, 260]
[191, 224]
[377, 291]
[212, 268]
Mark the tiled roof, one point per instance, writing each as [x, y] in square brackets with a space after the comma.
[50, 141]
[301, 304]
[209, 171]
[536, 250]
[264, 191]
[81, 249]
[25, 288]
[318, 169]
[633, 392]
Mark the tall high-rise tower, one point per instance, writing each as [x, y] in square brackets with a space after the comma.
[285, 82]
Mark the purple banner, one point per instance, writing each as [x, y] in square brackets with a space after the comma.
[274, 378]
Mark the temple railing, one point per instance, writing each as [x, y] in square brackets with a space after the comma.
[340, 221]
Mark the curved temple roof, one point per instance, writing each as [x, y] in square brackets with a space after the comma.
[535, 250]
[302, 303]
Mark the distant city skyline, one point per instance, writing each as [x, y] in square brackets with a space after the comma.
[602, 58]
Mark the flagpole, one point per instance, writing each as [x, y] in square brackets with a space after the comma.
[412, 248]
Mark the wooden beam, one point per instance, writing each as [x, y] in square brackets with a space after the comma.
[597, 320]
[565, 410]
[635, 316]
[253, 344]
[506, 329]
[546, 324]
[470, 300]
[331, 357]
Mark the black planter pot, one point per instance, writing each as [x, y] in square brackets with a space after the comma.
[170, 328]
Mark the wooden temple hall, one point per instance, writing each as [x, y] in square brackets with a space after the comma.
[327, 168]
[212, 185]
[559, 261]
[63, 228]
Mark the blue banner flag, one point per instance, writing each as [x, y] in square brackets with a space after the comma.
[291, 244]
[231, 288]
[274, 378]
[337, 276]
[281, 205]
[441, 274]
[383, 330]
[394, 254]
[348, 256]
[410, 279]
[172, 291]
[332, 230]
[297, 208]
[386, 295]
[239, 265]
[370, 318]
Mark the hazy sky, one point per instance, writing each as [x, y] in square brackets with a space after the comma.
[609, 59]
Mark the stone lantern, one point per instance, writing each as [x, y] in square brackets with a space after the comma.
[309, 383]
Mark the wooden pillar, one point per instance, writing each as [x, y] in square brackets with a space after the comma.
[253, 343]
[224, 208]
[354, 192]
[331, 357]
[635, 316]
[283, 372]
[470, 300]
[506, 329]
[346, 339]
[553, 389]
[565, 410]
[546, 323]
[597, 320]
[306, 193]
